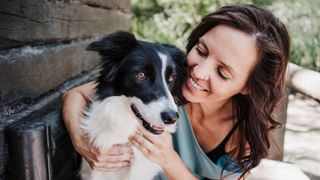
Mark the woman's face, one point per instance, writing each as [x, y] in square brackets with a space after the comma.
[224, 57]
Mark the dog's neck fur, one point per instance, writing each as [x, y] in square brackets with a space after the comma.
[110, 116]
[105, 90]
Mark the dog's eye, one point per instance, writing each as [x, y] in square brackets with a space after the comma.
[141, 75]
[171, 78]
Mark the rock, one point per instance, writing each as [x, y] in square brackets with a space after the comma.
[275, 170]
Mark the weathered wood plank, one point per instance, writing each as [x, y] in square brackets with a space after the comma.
[41, 21]
[32, 71]
[123, 5]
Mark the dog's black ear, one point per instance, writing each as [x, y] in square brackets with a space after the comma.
[115, 45]
[113, 48]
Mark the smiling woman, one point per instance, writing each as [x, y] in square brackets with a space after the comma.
[225, 56]
[236, 61]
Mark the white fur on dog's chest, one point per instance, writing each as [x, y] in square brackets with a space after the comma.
[140, 169]
[110, 122]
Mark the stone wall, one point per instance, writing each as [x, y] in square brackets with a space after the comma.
[42, 54]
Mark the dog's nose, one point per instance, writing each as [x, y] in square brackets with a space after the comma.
[169, 117]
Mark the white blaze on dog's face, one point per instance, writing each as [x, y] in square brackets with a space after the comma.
[162, 112]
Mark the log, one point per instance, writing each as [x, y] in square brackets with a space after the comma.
[30, 151]
[304, 80]
[41, 21]
[122, 5]
[31, 71]
[47, 110]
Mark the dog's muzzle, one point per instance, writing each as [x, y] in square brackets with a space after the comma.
[151, 127]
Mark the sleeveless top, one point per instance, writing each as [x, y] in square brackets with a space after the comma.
[219, 151]
[186, 145]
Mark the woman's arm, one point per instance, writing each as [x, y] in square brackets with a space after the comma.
[177, 169]
[159, 149]
[74, 101]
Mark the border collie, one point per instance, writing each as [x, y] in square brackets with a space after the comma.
[138, 85]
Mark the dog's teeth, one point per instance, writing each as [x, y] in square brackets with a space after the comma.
[158, 127]
[155, 128]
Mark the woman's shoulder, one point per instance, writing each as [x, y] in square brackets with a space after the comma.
[85, 90]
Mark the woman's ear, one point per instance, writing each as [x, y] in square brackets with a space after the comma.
[245, 91]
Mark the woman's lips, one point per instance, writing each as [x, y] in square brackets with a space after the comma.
[194, 85]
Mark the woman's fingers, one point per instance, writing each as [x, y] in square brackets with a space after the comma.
[111, 159]
[112, 163]
[86, 151]
[106, 167]
[151, 137]
[158, 139]
[115, 165]
[143, 144]
[116, 153]
[120, 149]
[139, 146]
[118, 158]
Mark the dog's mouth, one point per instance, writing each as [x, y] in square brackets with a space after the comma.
[151, 127]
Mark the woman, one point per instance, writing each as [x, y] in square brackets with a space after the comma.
[236, 60]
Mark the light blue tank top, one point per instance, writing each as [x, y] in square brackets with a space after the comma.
[186, 145]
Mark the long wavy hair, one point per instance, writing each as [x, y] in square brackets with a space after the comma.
[266, 82]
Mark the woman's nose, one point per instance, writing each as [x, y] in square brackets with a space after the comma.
[200, 71]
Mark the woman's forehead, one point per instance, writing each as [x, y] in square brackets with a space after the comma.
[232, 47]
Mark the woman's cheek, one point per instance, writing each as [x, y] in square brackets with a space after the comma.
[192, 59]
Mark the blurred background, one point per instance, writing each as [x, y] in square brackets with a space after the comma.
[42, 55]
[172, 21]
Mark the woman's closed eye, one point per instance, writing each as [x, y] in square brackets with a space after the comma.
[201, 52]
[222, 74]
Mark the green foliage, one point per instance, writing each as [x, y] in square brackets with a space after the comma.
[169, 21]
[303, 22]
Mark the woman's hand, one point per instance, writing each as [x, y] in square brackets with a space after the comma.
[112, 159]
[157, 148]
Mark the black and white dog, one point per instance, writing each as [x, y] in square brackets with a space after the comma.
[139, 84]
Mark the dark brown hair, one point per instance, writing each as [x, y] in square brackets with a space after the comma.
[266, 81]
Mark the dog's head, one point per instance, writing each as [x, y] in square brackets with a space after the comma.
[150, 75]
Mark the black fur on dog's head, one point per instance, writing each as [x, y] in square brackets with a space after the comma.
[148, 73]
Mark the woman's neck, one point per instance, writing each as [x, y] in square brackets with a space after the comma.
[210, 111]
